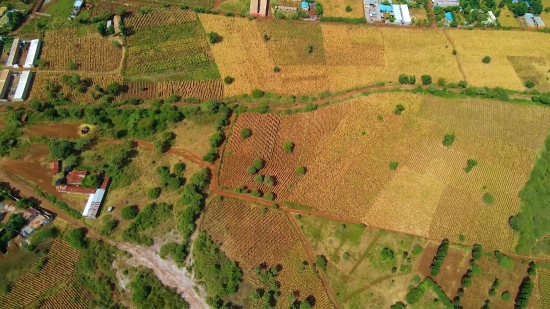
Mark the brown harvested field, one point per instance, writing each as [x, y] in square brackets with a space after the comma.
[57, 276]
[347, 150]
[251, 238]
[93, 54]
[202, 90]
[454, 267]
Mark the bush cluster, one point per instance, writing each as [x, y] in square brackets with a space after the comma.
[440, 257]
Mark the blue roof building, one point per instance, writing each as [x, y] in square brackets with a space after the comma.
[449, 16]
[386, 8]
[305, 6]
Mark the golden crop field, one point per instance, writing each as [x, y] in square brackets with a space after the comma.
[347, 149]
[92, 54]
[507, 18]
[55, 277]
[251, 237]
[545, 15]
[337, 8]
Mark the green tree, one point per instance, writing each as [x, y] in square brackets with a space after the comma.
[257, 93]
[228, 80]
[301, 170]
[486, 60]
[258, 163]
[259, 178]
[426, 79]
[77, 239]
[463, 84]
[153, 193]
[321, 261]
[269, 196]
[403, 79]
[114, 89]
[393, 165]
[488, 198]
[477, 252]
[102, 28]
[345, 256]
[288, 147]
[529, 84]
[449, 139]
[179, 168]
[129, 212]
[245, 133]
[213, 37]
[269, 180]
[506, 296]
[276, 69]
[251, 170]
[387, 254]
[399, 108]
[348, 8]
[60, 149]
[90, 181]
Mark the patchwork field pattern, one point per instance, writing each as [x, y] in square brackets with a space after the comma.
[57, 276]
[92, 54]
[347, 149]
[251, 237]
[166, 40]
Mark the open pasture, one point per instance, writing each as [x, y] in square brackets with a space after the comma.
[252, 237]
[347, 149]
[92, 54]
[51, 286]
[170, 41]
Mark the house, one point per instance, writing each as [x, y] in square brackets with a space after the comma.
[32, 56]
[116, 23]
[22, 90]
[55, 167]
[14, 54]
[75, 177]
[93, 204]
[75, 189]
[533, 21]
[397, 14]
[305, 6]
[76, 8]
[5, 77]
[259, 7]
[444, 3]
[405, 15]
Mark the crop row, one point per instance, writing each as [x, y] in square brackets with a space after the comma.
[165, 16]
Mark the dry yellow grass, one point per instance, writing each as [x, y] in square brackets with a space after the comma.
[338, 8]
[546, 15]
[418, 14]
[507, 18]
[498, 73]
[349, 45]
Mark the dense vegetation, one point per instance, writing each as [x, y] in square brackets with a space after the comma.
[11, 229]
[440, 257]
[150, 217]
[149, 292]
[220, 275]
[533, 220]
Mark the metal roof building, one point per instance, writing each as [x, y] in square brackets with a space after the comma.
[538, 21]
[14, 52]
[397, 14]
[386, 8]
[4, 82]
[93, 204]
[34, 50]
[405, 15]
[23, 86]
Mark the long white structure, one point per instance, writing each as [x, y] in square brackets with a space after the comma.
[93, 204]
[14, 52]
[34, 50]
[4, 81]
[23, 86]
[405, 15]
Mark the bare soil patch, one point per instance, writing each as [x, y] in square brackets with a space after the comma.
[57, 130]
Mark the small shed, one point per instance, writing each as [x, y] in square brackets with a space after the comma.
[55, 167]
[32, 56]
[449, 16]
[22, 90]
[529, 20]
[110, 209]
[397, 13]
[14, 53]
[78, 4]
[4, 82]
[305, 6]
[538, 21]
[109, 23]
[93, 204]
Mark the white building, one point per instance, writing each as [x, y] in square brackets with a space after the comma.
[405, 15]
[23, 86]
[34, 50]
[14, 53]
[93, 204]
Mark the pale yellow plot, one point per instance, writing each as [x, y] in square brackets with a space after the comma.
[507, 18]
[353, 45]
[545, 15]
[407, 203]
[348, 77]
[338, 8]
[298, 79]
[498, 73]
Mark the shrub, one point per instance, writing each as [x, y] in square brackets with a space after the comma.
[399, 108]
[348, 8]
[251, 170]
[257, 93]
[529, 84]
[470, 166]
[488, 198]
[454, 52]
[441, 81]
[129, 212]
[486, 60]
[463, 84]
[506, 296]
[269, 196]
[449, 139]
[309, 49]
[321, 261]
[77, 239]
[259, 178]
[387, 254]
[276, 69]
[153, 193]
[412, 80]
[245, 133]
[440, 257]
[301, 170]
[179, 168]
[71, 65]
[345, 256]
[426, 79]
[417, 249]
[228, 80]
[288, 147]
[393, 165]
[403, 79]
[256, 193]
[477, 252]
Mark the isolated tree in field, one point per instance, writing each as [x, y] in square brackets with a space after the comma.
[245, 133]
[403, 79]
[426, 79]
[258, 163]
[269, 180]
[213, 37]
[129, 212]
[506, 296]
[393, 165]
[471, 164]
[387, 254]
[301, 170]
[486, 60]
[449, 139]
[276, 69]
[228, 80]
[309, 49]
[529, 84]
[348, 8]
[71, 65]
[345, 256]
[259, 178]
[399, 108]
[288, 147]
[488, 198]
[251, 170]
[153, 193]
[269, 196]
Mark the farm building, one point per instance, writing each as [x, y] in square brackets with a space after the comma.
[405, 15]
[93, 204]
[22, 90]
[75, 177]
[14, 54]
[259, 7]
[444, 3]
[5, 77]
[116, 23]
[32, 55]
[386, 8]
[105, 182]
[492, 17]
[533, 21]
[55, 167]
[75, 189]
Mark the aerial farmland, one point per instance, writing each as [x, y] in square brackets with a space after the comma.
[274, 154]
